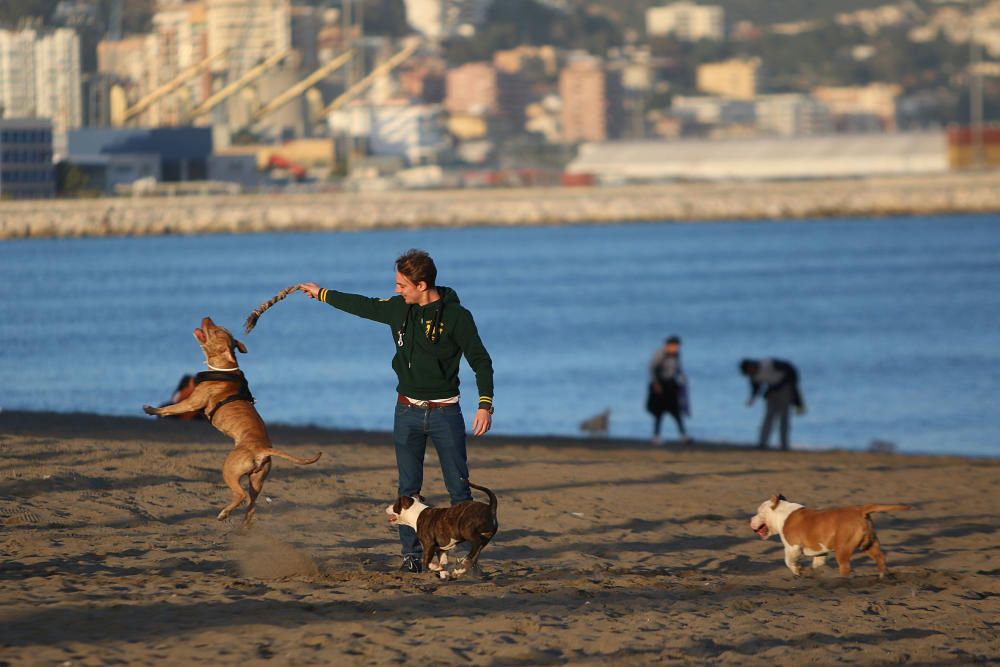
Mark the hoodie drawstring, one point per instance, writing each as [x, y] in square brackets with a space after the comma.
[433, 334]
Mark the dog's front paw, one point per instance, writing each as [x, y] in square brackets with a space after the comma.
[443, 574]
[149, 409]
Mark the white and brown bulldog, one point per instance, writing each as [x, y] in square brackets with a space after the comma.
[441, 529]
[818, 533]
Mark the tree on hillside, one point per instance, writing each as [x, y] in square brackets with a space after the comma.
[386, 17]
[12, 11]
[511, 23]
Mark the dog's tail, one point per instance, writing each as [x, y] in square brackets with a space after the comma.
[871, 509]
[259, 310]
[493, 501]
[294, 459]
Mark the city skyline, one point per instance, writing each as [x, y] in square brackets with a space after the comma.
[266, 71]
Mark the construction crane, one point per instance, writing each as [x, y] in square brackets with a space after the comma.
[149, 100]
[364, 83]
[248, 77]
[302, 86]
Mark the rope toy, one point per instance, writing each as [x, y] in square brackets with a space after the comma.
[262, 308]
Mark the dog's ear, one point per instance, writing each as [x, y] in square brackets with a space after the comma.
[405, 503]
[240, 346]
[775, 500]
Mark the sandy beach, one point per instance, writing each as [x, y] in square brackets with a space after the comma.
[609, 552]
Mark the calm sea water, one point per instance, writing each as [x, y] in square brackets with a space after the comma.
[893, 323]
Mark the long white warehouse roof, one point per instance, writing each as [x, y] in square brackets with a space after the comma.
[850, 155]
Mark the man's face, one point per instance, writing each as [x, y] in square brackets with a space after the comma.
[410, 292]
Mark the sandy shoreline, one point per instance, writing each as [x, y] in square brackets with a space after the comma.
[608, 552]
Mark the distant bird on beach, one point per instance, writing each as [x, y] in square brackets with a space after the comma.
[598, 425]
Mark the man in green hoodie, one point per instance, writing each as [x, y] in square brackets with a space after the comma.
[431, 331]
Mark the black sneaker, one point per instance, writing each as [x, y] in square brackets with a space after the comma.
[411, 564]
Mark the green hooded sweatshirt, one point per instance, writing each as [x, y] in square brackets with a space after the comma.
[430, 341]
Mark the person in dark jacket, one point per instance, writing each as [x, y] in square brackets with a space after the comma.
[667, 393]
[778, 380]
[431, 331]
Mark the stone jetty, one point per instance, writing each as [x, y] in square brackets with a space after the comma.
[973, 192]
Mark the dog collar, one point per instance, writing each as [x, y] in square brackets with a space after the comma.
[224, 370]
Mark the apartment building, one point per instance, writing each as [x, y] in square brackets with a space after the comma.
[40, 76]
[130, 60]
[869, 108]
[716, 111]
[793, 114]
[480, 89]
[736, 79]
[248, 30]
[17, 79]
[180, 38]
[472, 89]
[592, 101]
[686, 21]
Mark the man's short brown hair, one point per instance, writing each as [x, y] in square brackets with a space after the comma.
[417, 266]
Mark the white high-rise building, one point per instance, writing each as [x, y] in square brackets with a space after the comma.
[17, 73]
[686, 21]
[58, 93]
[249, 30]
[438, 19]
[40, 76]
[179, 33]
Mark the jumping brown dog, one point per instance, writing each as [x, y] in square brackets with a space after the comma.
[817, 533]
[222, 393]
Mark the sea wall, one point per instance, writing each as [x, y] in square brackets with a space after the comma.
[925, 195]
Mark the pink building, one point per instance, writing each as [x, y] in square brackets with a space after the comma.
[591, 102]
[481, 89]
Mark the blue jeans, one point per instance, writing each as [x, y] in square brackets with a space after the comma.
[446, 428]
[779, 404]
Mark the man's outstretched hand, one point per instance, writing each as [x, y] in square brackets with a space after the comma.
[312, 289]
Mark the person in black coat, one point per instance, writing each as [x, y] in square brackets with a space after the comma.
[667, 392]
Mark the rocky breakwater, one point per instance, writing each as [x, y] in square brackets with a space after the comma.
[950, 193]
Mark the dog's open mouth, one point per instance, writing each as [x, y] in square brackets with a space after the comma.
[393, 519]
[763, 531]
